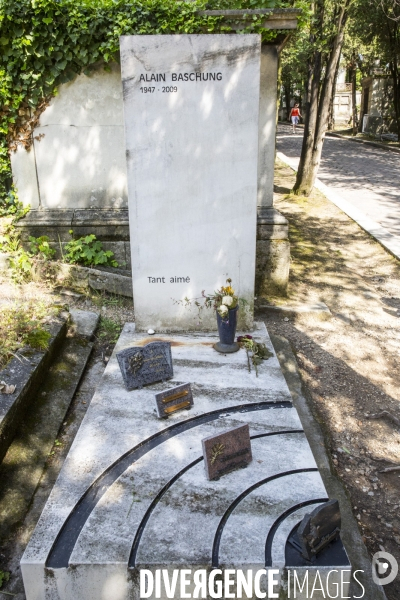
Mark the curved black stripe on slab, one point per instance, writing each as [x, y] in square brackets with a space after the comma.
[228, 512]
[271, 433]
[144, 521]
[280, 519]
[64, 543]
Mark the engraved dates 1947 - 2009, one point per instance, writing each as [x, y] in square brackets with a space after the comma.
[165, 89]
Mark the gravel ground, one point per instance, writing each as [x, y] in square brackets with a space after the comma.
[114, 310]
[349, 363]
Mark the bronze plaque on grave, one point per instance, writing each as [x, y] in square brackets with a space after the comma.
[145, 365]
[227, 451]
[177, 398]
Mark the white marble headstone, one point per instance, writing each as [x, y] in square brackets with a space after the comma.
[191, 105]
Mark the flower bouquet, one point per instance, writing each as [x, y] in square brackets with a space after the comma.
[226, 304]
[257, 351]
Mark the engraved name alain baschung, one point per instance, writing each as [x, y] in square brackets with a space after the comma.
[192, 76]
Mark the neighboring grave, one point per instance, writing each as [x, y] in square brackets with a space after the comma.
[133, 491]
[191, 105]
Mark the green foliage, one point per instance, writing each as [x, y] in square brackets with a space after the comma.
[22, 325]
[9, 242]
[88, 251]
[4, 577]
[21, 265]
[102, 298]
[9, 204]
[317, 29]
[21, 261]
[44, 43]
[373, 46]
[40, 247]
[294, 66]
[108, 330]
[38, 339]
[256, 350]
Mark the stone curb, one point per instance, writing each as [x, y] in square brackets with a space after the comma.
[389, 241]
[87, 277]
[35, 435]
[319, 309]
[361, 141]
[352, 139]
[27, 374]
[84, 277]
[350, 533]
[80, 277]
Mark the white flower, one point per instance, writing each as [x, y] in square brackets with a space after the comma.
[222, 310]
[227, 300]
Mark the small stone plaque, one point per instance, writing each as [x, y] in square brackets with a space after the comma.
[227, 451]
[144, 365]
[177, 398]
[319, 528]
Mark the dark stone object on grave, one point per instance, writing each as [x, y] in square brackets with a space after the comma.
[176, 398]
[333, 555]
[226, 332]
[319, 528]
[145, 365]
[227, 451]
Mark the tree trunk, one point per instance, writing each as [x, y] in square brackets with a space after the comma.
[394, 69]
[331, 119]
[396, 93]
[287, 91]
[331, 114]
[317, 115]
[303, 173]
[354, 97]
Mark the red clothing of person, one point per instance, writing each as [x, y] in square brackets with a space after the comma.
[295, 112]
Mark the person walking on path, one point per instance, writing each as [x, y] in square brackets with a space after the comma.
[295, 116]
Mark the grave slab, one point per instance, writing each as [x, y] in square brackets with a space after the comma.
[191, 105]
[133, 492]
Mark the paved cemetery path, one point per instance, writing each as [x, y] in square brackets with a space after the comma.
[367, 177]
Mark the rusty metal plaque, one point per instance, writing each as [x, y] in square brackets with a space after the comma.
[177, 398]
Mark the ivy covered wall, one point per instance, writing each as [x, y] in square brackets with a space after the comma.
[44, 43]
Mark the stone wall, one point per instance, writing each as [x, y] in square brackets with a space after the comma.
[77, 159]
[377, 104]
[74, 176]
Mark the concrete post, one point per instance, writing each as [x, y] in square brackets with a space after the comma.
[273, 248]
[267, 127]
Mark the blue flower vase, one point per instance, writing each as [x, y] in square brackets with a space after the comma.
[227, 331]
